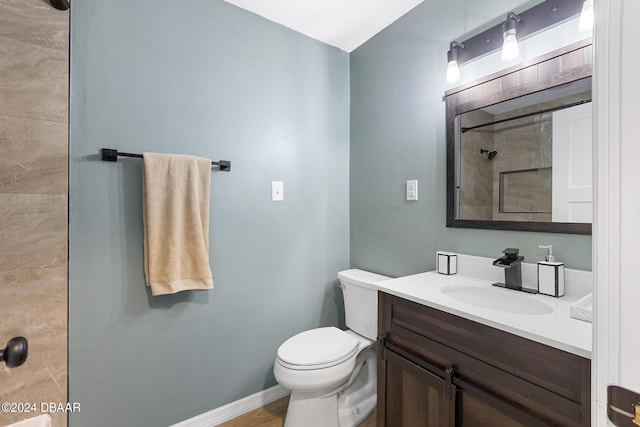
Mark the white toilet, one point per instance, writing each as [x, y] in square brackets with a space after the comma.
[332, 373]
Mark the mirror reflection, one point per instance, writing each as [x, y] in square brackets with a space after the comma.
[527, 159]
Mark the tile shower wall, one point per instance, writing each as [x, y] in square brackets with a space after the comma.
[476, 180]
[33, 200]
[524, 145]
[524, 159]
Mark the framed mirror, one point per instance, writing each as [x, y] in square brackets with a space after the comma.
[519, 149]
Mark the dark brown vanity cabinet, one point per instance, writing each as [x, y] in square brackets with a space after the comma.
[437, 369]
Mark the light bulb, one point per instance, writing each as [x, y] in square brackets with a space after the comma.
[453, 72]
[586, 17]
[510, 49]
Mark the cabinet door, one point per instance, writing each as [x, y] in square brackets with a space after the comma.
[411, 396]
[480, 409]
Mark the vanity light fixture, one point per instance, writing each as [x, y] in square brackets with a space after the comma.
[586, 17]
[503, 35]
[510, 49]
[453, 72]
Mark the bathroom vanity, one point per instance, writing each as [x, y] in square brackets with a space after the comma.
[455, 351]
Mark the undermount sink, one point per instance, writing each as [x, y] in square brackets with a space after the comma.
[497, 299]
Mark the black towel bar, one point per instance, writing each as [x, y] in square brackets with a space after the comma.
[111, 155]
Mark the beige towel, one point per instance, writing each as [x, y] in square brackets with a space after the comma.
[176, 222]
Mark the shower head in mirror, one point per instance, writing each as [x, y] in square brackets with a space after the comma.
[490, 154]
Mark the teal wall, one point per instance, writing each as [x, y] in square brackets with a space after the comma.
[344, 132]
[205, 78]
[398, 134]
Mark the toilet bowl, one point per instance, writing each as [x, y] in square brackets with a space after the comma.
[332, 373]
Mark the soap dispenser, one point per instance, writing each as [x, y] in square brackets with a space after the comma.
[550, 274]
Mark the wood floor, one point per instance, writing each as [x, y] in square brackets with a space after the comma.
[272, 415]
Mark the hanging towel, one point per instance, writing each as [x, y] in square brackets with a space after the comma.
[176, 222]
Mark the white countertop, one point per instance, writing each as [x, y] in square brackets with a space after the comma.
[555, 329]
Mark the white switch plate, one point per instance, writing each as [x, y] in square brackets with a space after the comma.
[412, 190]
[277, 191]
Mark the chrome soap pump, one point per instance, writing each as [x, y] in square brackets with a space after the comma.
[550, 274]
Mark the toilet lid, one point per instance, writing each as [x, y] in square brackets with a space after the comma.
[318, 348]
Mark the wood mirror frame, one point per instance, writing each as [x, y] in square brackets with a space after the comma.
[571, 63]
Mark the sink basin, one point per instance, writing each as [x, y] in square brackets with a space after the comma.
[497, 299]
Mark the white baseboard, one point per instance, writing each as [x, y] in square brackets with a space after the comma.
[234, 409]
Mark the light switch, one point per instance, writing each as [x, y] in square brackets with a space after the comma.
[412, 190]
[277, 191]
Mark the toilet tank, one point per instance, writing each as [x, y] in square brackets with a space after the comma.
[361, 301]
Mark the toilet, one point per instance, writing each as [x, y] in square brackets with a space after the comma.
[332, 373]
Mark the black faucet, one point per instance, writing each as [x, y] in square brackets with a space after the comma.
[512, 264]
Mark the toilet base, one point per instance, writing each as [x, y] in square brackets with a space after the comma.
[309, 410]
[344, 406]
[359, 399]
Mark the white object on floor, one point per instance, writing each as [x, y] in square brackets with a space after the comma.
[39, 421]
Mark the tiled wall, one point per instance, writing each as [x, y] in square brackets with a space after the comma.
[476, 177]
[523, 145]
[33, 200]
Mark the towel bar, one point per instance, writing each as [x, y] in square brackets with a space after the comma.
[111, 155]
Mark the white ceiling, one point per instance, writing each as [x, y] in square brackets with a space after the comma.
[345, 24]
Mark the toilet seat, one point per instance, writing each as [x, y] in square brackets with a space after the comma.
[317, 349]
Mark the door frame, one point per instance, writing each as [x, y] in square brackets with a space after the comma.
[616, 173]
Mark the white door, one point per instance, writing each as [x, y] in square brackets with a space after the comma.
[617, 200]
[572, 199]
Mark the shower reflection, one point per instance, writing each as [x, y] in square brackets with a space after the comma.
[517, 184]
